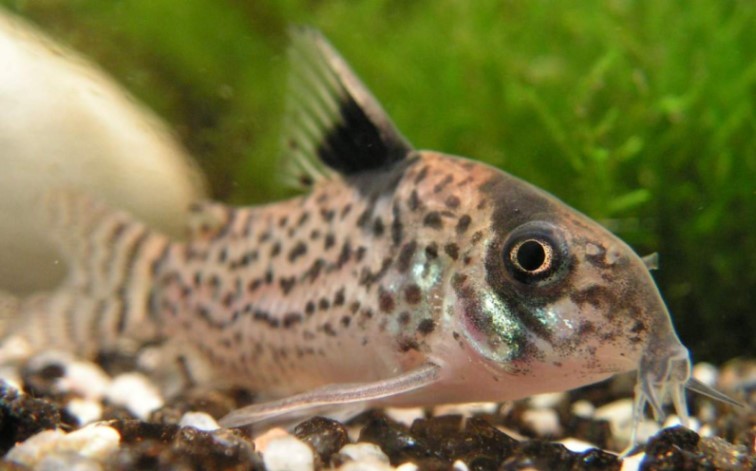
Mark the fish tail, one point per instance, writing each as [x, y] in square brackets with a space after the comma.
[112, 263]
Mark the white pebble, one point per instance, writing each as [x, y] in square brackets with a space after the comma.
[261, 441]
[93, 441]
[69, 461]
[11, 377]
[646, 429]
[708, 431]
[134, 392]
[35, 447]
[460, 465]
[546, 400]
[673, 421]
[85, 410]
[199, 420]
[364, 452]
[407, 467]
[45, 358]
[466, 410]
[151, 358]
[14, 348]
[288, 454]
[405, 415]
[737, 374]
[512, 433]
[707, 411]
[85, 379]
[576, 445]
[544, 422]
[619, 414]
[632, 463]
[365, 466]
[583, 408]
[706, 373]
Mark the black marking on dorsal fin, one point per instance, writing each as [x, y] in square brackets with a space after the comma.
[332, 120]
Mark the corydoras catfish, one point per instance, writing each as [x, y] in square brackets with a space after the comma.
[402, 277]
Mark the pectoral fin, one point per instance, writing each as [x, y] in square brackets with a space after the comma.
[651, 261]
[352, 397]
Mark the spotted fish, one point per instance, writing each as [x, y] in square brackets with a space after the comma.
[402, 277]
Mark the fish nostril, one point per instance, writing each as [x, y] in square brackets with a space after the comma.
[613, 256]
[592, 249]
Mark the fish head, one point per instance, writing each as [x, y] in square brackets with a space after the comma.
[543, 293]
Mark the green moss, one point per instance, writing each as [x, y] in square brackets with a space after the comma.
[639, 113]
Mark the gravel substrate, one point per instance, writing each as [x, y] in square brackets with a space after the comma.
[59, 412]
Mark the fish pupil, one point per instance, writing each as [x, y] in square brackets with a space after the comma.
[535, 254]
[530, 255]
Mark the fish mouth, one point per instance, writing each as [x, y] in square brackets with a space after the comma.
[664, 373]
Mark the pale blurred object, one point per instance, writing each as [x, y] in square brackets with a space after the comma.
[65, 123]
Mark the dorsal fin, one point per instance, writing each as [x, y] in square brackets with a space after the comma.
[332, 120]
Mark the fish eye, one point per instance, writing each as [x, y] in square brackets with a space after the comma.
[534, 252]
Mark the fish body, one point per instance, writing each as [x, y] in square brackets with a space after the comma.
[402, 277]
[393, 269]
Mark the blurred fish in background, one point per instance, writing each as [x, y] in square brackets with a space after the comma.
[65, 123]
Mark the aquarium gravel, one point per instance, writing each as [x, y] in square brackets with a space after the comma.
[59, 412]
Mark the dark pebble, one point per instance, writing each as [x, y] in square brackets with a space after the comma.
[22, 416]
[325, 436]
[41, 382]
[115, 363]
[134, 431]
[220, 449]
[598, 432]
[606, 391]
[540, 454]
[214, 403]
[437, 442]
[399, 444]
[147, 454]
[169, 447]
[725, 455]
[113, 412]
[475, 441]
[513, 419]
[681, 449]
[674, 449]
